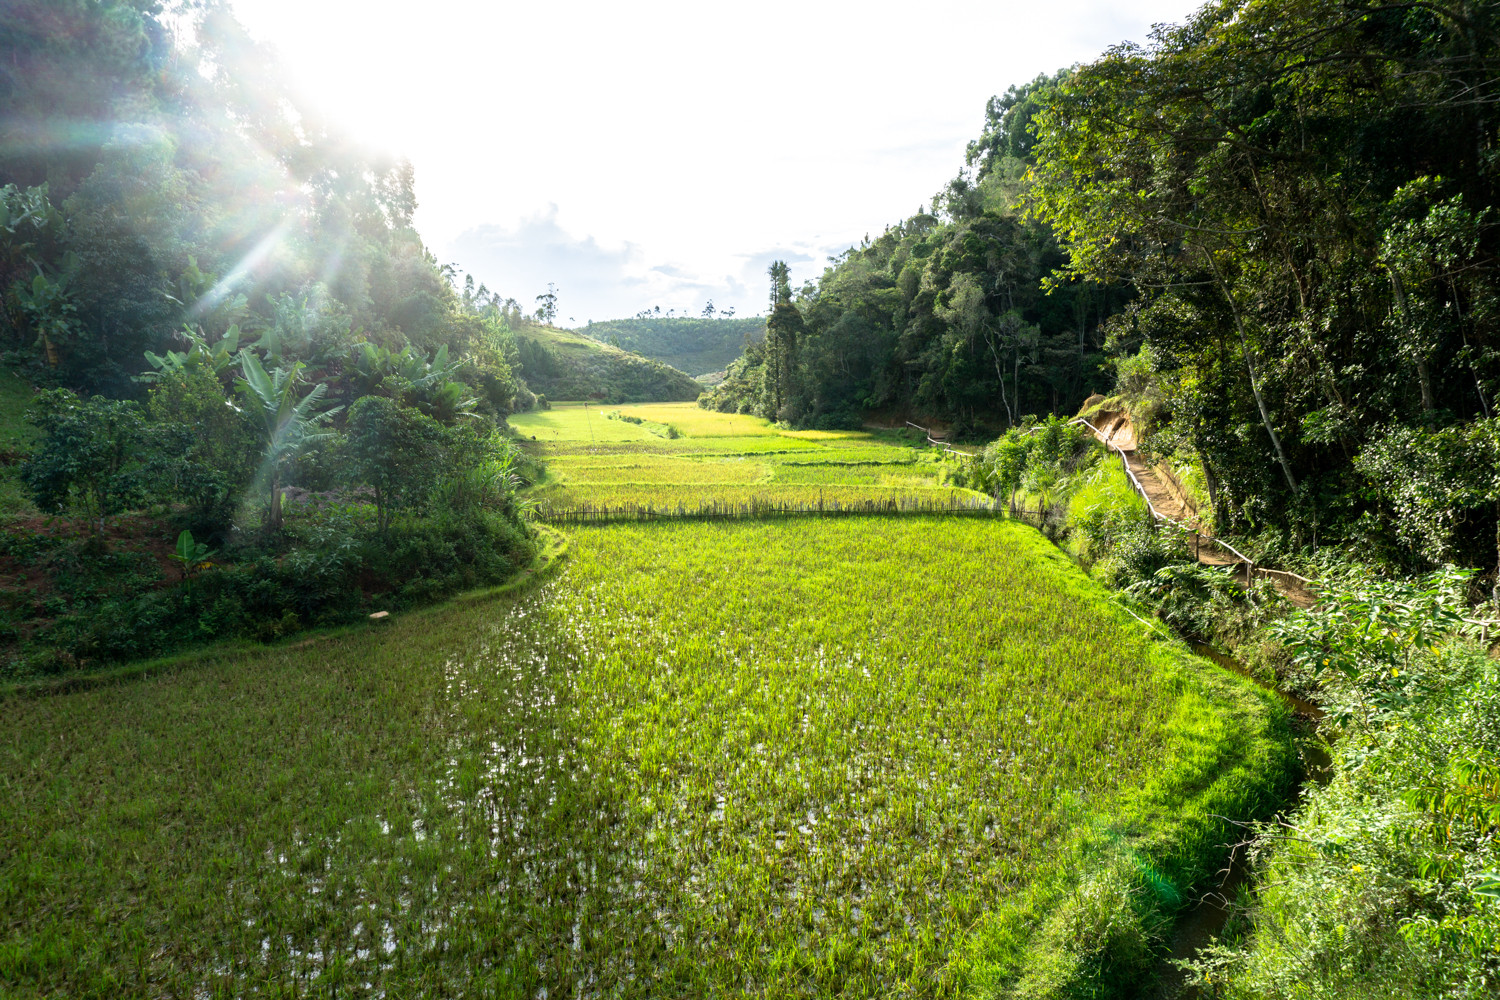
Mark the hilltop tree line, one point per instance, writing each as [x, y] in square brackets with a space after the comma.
[1269, 231]
[942, 315]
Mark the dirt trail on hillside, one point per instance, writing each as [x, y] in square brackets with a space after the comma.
[1116, 430]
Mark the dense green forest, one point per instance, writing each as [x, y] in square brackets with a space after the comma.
[233, 332]
[1278, 247]
[696, 345]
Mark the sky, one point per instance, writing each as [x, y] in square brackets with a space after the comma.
[663, 154]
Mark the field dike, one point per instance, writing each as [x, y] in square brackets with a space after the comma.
[1100, 925]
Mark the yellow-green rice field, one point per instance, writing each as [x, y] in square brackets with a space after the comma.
[859, 757]
[667, 455]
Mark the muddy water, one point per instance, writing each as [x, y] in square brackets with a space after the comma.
[1201, 924]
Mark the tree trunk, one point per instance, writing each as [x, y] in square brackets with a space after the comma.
[1424, 378]
[1010, 420]
[276, 504]
[1265, 415]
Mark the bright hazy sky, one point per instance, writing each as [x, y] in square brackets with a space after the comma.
[658, 153]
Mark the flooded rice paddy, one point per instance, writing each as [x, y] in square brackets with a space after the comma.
[791, 759]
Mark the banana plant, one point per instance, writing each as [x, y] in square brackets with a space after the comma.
[287, 424]
[413, 380]
[218, 356]
[192, 555]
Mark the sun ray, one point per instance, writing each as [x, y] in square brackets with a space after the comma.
[247, 264]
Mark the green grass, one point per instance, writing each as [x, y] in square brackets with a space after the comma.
[16, 436]
[579, 367]
[853, 758]
[15, 397]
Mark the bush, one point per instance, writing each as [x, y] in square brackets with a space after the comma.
[94, 453]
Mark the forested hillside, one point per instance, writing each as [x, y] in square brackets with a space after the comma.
[696, 345]
[561, 364]
[223, 330]
[1277, 249]
[157, 190]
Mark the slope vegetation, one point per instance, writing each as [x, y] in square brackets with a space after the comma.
[694, 345]
[561, 364]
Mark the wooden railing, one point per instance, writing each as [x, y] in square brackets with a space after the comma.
[939, 442]
[1250, 568]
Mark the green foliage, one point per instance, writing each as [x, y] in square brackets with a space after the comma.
[396, 451]
[1366, 634]
[1308, 236]
[689, 344]
[209, 452]
[945, 319]
[190, 190]
[191, 555]
[284, 422]
[1440, 489]
[93, 452]
[1383, 882]
[217, 357]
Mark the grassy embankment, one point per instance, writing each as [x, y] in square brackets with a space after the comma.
[848, 757]
[16, 437]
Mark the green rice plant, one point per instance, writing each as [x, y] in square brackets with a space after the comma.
[853, 758]
[578, 473]
[575, 423]
[693, 421]
[664, 495]
[900, 475]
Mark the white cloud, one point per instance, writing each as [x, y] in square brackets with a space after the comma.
[682, 140]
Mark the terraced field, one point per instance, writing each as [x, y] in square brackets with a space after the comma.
[666, 455]
[857, 758]
[807, 757]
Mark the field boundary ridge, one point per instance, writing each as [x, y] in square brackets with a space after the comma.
[758, 510]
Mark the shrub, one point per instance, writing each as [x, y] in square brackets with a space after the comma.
[93, 452]
[396, 451]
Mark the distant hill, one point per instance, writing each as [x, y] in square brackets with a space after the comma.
[561, 364]
[692, 345]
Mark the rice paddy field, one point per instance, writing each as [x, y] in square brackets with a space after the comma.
[666, 455]
[856, 757]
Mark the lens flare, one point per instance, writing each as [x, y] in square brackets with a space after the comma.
[247, 264]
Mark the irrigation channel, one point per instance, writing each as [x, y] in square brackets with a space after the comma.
[1201, 923]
